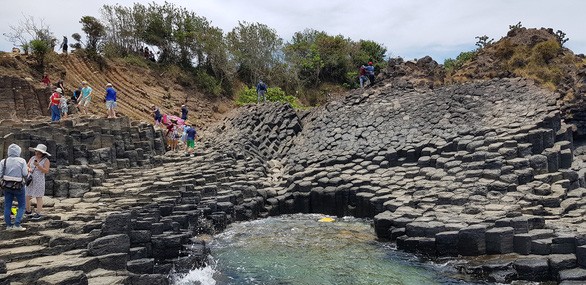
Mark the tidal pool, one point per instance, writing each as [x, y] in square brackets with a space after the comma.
[301, 250]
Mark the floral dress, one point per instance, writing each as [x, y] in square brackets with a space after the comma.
[37, 187]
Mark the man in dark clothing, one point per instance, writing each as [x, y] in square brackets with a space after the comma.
[64, 45]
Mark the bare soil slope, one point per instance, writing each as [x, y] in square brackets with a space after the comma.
[138, 88]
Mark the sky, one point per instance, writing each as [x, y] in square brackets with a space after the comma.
[407, 28]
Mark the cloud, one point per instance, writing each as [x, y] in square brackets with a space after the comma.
[408, 28]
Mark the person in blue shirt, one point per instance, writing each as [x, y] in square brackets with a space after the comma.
[261, 90]
[191, 135]
[370, 72]
[110, 100]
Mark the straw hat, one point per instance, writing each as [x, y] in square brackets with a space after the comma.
[40, 148]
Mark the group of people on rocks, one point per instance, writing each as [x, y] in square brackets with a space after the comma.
[366, 74]
[176, 130]
[82, 96]
[22, 181]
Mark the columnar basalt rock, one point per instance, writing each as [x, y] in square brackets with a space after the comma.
[483, 168]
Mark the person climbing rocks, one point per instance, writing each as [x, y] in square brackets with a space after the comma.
[184, 112]
[362, 76]
[157, 115]
[110, 100]
[64, 45]
[370, 72]
[13, 169]
[38, 166]
[46, 80]
[86, 97]
[191, 135]
[63, 107]
[54, 102]
[261, 90]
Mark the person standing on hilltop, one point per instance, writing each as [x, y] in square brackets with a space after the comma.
[110, 100]
[261, 90]
[370, 72]
[184, 112]
[13, 169]
[86, 97]
[64, 45]
[54, 102]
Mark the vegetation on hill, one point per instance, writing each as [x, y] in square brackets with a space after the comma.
[213, 61]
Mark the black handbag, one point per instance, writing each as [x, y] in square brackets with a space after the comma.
[28, 180]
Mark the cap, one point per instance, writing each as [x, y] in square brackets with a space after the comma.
[370, 63]
[58, 90]
[84, 82]
[109, 85]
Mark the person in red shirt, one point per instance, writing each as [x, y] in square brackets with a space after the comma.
[46, 80]
[54, 101]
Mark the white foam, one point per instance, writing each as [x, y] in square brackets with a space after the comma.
[203, 276]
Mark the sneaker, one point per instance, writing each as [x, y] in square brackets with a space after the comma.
[9, 228]
[28, 213]
[18, 228]
[36, 216]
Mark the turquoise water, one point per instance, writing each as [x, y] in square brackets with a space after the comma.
[300, 250]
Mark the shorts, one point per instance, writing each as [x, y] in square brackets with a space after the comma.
[84, 101]
[110, 105]
[64, 110]
[191, 143]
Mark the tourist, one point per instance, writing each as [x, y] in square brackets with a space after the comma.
[38, 166]
[362, 77]
[60, 83]
[46, 80]
[86, 96]
[13, 170]
[110, 100]
[157, 115]
[261, 90]
[370, 72]
[191, 135]
[54, 102]
[64, 45]
[171, 135]
[63, 107]
[75, 97]
[184, 112]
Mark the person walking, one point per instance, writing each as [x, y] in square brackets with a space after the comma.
[184, 112]
[63, 107]
[38, 166]
[370, 72]
[261, 90]
[86, 97]
[54, 102]
[12, 171]
[191, 135]
[110, 100]
[157, 114]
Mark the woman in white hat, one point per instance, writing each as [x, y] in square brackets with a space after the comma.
[38, 166]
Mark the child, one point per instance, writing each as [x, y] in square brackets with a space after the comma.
[63, 107]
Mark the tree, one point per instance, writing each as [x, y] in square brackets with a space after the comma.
[94, 31]
[257, 49]
[27, 30]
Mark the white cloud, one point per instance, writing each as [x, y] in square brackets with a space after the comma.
[408, 28]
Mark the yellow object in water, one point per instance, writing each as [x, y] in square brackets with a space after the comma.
[327, 220]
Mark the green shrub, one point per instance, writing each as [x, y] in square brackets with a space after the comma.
[39, 49]
[543, 52]
[452, 65]
[207, 83]
[136, 61]
[274, 94]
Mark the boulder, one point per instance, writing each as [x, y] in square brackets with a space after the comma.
[119, 243]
